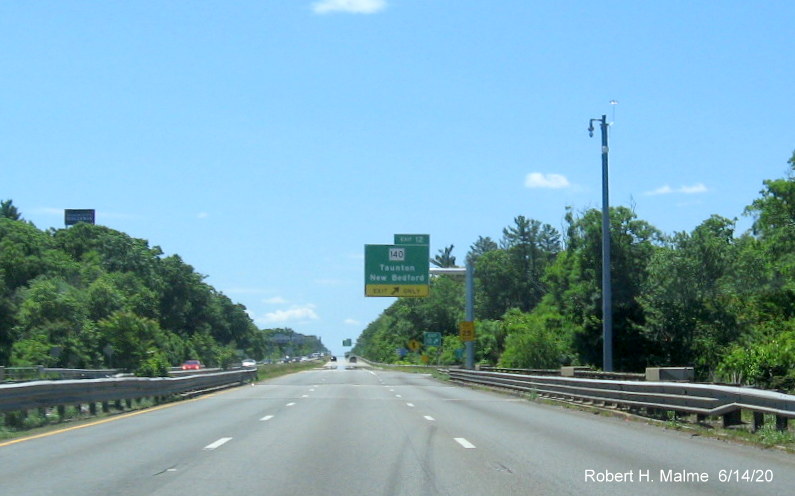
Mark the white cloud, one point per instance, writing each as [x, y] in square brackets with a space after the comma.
[685, 190]
[202, 215]
[275, 300]
[296, 313]
[662, 190]
[349, 6]
[352, 322]
[550, 181]
[696, 188]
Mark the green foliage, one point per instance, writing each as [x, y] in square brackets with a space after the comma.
[132, 338]
[574, 284]
[444, 258]
[89, 296]
[409, 318]
[154, 365]
[767, 361]
[9, 211]
[451, 352]
[537, 340]
[489, 341]
[30, 353]
[687, 298]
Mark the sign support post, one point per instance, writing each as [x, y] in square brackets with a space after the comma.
[469, 346]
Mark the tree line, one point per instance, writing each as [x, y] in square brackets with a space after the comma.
[720, 301]
[90, 297]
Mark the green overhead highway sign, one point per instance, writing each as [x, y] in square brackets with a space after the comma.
[396, 270]
[412, 239]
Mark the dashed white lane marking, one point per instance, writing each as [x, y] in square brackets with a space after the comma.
[266, 418]
[304, 396]
[428, 417]
[289, 404]
[463, 442]
[410, 404]
[398, 396]
[218, 443]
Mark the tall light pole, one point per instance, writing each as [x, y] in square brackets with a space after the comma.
[607, 299]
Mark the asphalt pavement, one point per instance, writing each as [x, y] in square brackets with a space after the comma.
[339, 430]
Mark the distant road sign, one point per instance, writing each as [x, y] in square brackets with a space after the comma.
[73, 216]
[414, 345]
[466, 331]
[433, 339]
[412, 239]
[396, 270]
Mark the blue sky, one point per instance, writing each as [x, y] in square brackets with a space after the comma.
[266, 142]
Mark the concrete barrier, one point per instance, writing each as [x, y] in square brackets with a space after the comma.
[673, 374]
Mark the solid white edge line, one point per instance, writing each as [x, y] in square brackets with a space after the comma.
[463, 442]
[218, 443]
[266, 418]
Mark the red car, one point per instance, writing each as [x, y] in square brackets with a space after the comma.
[192, 365]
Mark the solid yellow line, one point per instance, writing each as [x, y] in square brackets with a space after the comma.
[104, 421]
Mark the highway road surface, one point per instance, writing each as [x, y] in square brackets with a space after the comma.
[344, 431]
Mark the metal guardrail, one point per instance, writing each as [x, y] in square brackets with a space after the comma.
[583, 372]
[43, 394]
[700, 399]
[41, 372]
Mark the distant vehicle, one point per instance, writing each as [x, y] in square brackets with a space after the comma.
[333, 358]
[248, 362]
[192, 365]
[352, 359]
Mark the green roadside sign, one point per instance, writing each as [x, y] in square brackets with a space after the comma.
[433, 339]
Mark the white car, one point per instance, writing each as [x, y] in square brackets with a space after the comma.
[249, 363]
